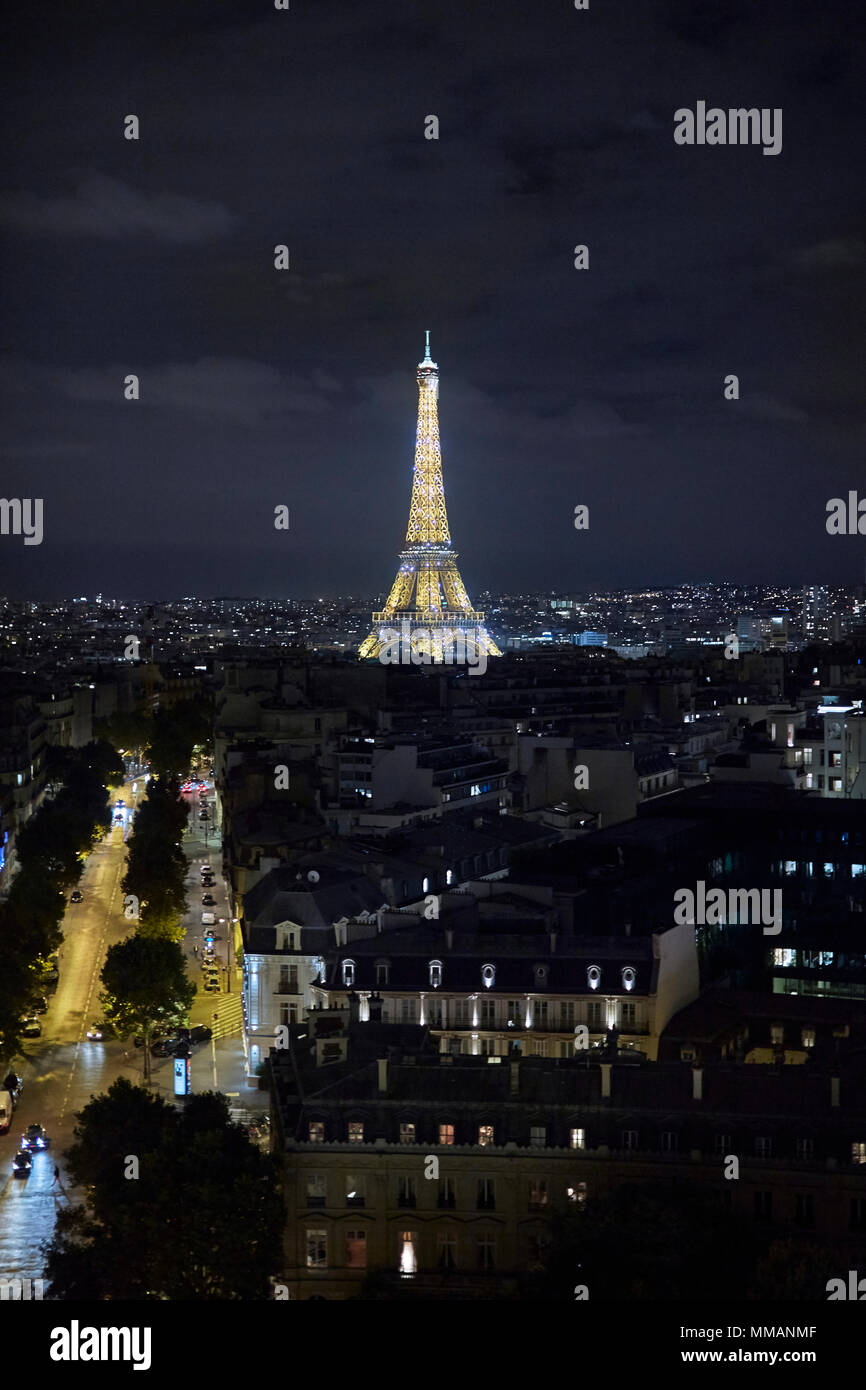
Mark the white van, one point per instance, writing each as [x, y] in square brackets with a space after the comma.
[208, 919]
[5, 1111]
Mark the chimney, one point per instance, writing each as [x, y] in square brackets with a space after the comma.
[605, 1080]
[697, 1083]
[383, 1076]
[552, 943]
[514, 1079]
[834, 1092]
[449, 938]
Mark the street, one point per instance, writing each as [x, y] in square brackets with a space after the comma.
[62, 1070]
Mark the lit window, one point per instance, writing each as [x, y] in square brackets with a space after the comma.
[317, 1249]
[356, 1132]
[576, 1193]
[808, 1037]
[485, 1135]
[316, 1132]
[425, 886]
[777, 1034]
[348, 973]
[446, 1134]
[449, 877]
[407, 1134]
[538, 1136]
[355, 1190]
[628, 977]
[785, 957]
[577, 1138]
[488, 975]
[858, 1151]
[435, 973]
[408, 1262]
[593, 977]
[356, 1249]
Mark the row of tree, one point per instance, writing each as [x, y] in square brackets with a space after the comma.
[50, 851]
[180, 1204]
[146, 986]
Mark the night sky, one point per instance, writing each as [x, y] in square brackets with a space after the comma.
[558, 386]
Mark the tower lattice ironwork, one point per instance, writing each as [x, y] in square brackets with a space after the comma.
[428, 598]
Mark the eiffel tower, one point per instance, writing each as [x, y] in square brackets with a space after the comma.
[428, 598]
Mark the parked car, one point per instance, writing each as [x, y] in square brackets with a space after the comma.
[208, 919]
[21, 1164]
[31, 1027]
[165, 1046]
[35, 1139]
[41, 1005]
[208, 900]
[211, 986]
[200, 1034]
[7, 1105]
[76, 896]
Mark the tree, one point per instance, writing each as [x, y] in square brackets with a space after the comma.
[198, 1216]
[794, 1271]
[648, 1242]
[174, 733]
[146, 987]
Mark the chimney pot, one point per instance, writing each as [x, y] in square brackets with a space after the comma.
[697, 1083]
[605, 1080]
[383, 1076]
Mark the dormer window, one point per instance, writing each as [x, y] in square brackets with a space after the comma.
[628, 977]
[541, 975]
[382, 969]
[435, 973]
[425, 886]
[593, 977]
[349, 973]
[488, 975]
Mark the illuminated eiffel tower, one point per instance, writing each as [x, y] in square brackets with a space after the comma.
[428, 599]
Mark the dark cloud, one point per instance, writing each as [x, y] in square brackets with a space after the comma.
[262, 387]
[107, 208]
